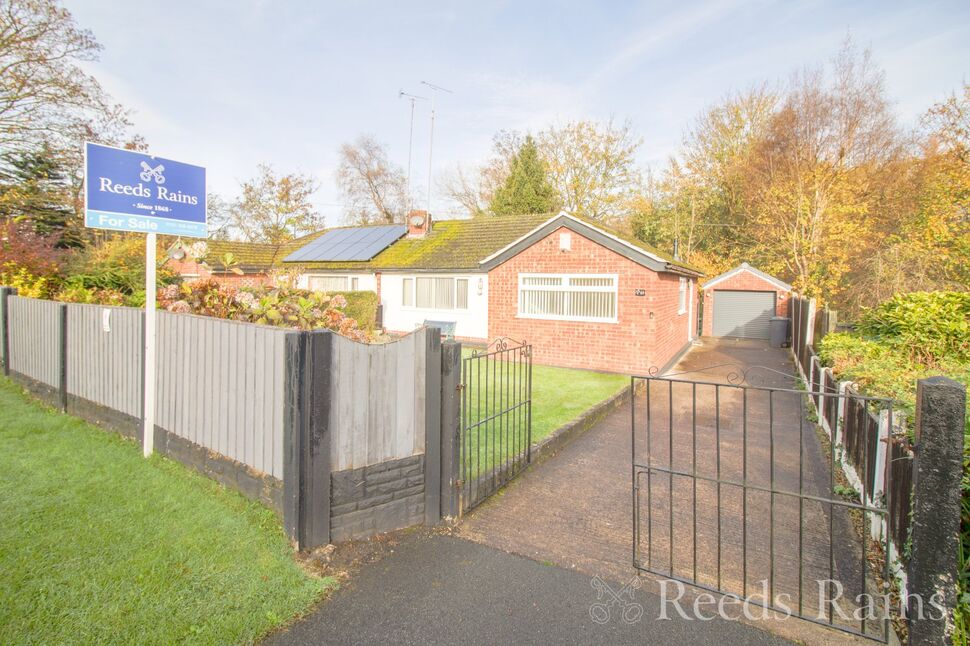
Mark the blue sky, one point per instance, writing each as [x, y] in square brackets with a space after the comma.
[231, 84]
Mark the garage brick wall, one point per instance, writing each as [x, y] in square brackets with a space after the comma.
[744, 281]
[632, 345]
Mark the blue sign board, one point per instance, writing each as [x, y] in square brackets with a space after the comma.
[132, 191]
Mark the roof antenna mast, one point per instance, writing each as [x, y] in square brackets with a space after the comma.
[435, 89]
[412, 98]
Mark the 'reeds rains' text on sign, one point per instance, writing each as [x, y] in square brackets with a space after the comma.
[127, 190]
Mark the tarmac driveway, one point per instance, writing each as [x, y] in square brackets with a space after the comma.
[575, 509]
[549, 558]
[435, 589]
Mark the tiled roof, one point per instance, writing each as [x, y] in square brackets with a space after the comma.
[451, 245]
[630, 239]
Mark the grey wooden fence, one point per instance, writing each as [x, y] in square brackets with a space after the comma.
[378, 400]
[33, 337]
[286, 417]
[104, 356]
[220, 385]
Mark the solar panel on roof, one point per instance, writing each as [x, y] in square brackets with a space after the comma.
[355, 244]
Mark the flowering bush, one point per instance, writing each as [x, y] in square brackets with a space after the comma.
[278, 306]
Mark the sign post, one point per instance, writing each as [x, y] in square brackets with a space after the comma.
[132, 191]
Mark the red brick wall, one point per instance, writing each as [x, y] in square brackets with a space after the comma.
[190, 267]
[744, 281]
[634, 344]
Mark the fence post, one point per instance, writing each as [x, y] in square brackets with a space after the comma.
[935, 533]
[5, 292]
[307, 438]
[450, 427]
[882, 450]
[432, 426]
[810, 323]
[840, 409]
[62, 355]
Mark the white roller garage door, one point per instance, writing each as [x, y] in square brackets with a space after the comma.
[743, 314]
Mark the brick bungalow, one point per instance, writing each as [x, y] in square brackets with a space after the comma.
[740, 302]
[584, 295]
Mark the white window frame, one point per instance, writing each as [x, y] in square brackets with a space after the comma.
[682, 296]
[409, 294]
[567, 289]
[353, 282]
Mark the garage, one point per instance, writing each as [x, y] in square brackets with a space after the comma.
[743, 314]
[741, 303]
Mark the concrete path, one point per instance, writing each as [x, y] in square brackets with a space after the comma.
[445, 590]
[575, 510]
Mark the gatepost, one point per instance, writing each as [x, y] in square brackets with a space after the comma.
[935, 534]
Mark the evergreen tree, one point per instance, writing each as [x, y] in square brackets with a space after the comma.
[527, 188]
[34, 189]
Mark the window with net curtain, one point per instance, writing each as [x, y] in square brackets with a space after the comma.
[583, 297]
[435, 293]
[334, 283]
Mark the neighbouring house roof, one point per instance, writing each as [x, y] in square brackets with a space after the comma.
[349, 244]
[251, 256]
[451, 245]
[751, 270]
[617, 241]
[473, 245]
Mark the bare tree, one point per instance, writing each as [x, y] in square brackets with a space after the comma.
[475, 189]
[48, 104]
[374, 188]
[45, 95]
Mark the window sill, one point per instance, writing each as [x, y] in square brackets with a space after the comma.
[567, 319]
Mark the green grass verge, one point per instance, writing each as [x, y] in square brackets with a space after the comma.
[99, 545]
[559, 396]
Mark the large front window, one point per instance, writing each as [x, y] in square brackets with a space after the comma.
[568, 297]
[435, 293]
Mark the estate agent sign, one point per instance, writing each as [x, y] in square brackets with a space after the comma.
[126, 190]
[132, 191]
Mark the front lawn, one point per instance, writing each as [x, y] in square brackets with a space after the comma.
[559, 396]
[99, 545]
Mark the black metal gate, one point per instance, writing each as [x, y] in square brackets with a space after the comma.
[747, 491]
[496, 418]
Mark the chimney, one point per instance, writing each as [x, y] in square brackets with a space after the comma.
[419, 224]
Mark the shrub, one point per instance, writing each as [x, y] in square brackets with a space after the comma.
[28, 261]
[22, 247]
[277, 306]
[80, 294]
[116, 265]
[362, 307]
[929, 326]
[26, 283]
